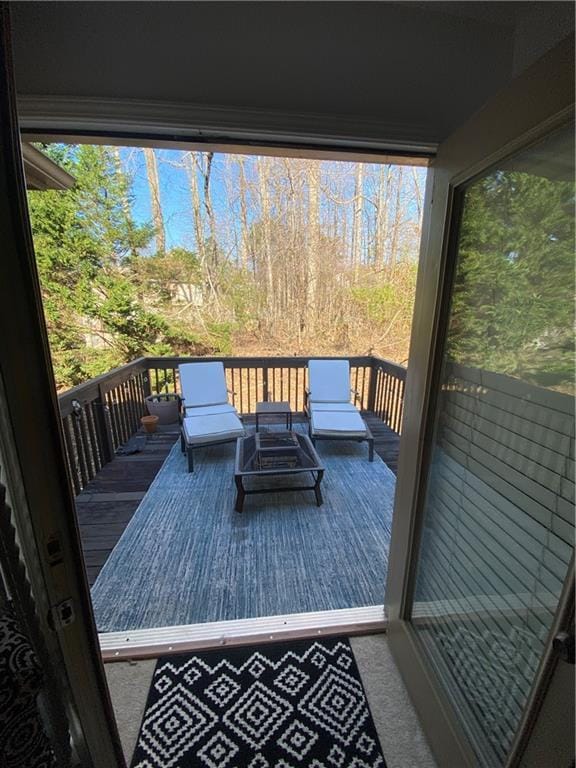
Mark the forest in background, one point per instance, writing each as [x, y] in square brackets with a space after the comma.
[278, 256]
[284, 256]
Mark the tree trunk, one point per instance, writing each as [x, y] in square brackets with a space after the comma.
[313, 238]
[246, 254]
[417, 194]
[193, 166]
[397, 218]
[213, 243]
[154, 183]
[357, 219]
[265, 221]
[382, 215]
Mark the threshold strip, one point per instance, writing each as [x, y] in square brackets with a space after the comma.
[158, 641]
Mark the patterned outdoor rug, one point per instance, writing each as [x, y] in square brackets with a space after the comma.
[284, 705]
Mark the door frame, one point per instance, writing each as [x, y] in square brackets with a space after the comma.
[539, 101]
[40, 492]
[39, 470]
[56, 506]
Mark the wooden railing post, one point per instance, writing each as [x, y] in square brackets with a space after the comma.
[146, 384]
[372, 386]
[101, 414]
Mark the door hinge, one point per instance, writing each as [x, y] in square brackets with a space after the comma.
[62, 615]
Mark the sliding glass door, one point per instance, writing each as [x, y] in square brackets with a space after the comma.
[489, 537]
[498, 522]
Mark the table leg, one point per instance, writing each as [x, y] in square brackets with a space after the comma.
[240, 494]
[317, 491]
[256, 421]
[370, 449]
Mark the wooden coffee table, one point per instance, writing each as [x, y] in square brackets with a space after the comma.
[272, 455]
[281, 408]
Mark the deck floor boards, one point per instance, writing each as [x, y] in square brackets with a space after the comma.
[104, 512]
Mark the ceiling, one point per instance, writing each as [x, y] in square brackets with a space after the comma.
[398, 71]
[503, 13]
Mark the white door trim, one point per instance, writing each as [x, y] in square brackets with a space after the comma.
[144, 643]
[213, 126]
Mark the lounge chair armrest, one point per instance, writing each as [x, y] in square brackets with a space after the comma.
[231, 391]
[356, 394]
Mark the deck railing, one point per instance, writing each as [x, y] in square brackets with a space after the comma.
[103, 413]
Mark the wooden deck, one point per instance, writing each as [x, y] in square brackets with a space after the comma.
[106, 505]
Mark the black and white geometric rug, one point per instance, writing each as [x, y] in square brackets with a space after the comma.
[283, 705]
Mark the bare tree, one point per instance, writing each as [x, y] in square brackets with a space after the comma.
[313, 236]
[154, 184]
[265, 222]
[193, 166]
[417, 193]
[397, 217]
[246, 251]
[317, 240]
[358, 219]
[381, 225]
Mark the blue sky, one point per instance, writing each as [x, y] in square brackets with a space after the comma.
[176, 200]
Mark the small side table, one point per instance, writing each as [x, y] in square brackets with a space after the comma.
[274, 409]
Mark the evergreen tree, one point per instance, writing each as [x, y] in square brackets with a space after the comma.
[84, 240]
[512, 307]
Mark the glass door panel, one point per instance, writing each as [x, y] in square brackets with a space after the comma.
[498, 527]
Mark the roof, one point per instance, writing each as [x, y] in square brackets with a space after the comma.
[43, 173]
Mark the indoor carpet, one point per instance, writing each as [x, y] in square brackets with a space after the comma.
[187, 557]
[282, 705]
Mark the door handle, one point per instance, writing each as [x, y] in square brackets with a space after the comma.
[564, 646]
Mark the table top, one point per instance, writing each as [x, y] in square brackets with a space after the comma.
[282, 406]
[246, 458]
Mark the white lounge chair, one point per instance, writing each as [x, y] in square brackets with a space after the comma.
[331, 414]
[207, 416]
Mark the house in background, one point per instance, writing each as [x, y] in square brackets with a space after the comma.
[476, 88]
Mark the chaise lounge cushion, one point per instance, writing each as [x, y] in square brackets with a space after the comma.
[200, 430]
[333, 407]
[337, 423]
[329, 381]
[203, 384]
[210, 410]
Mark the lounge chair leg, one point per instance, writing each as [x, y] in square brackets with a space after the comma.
[317, 491]
[370, 449]
[190, 459]
[182, 443]
[240, 495]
